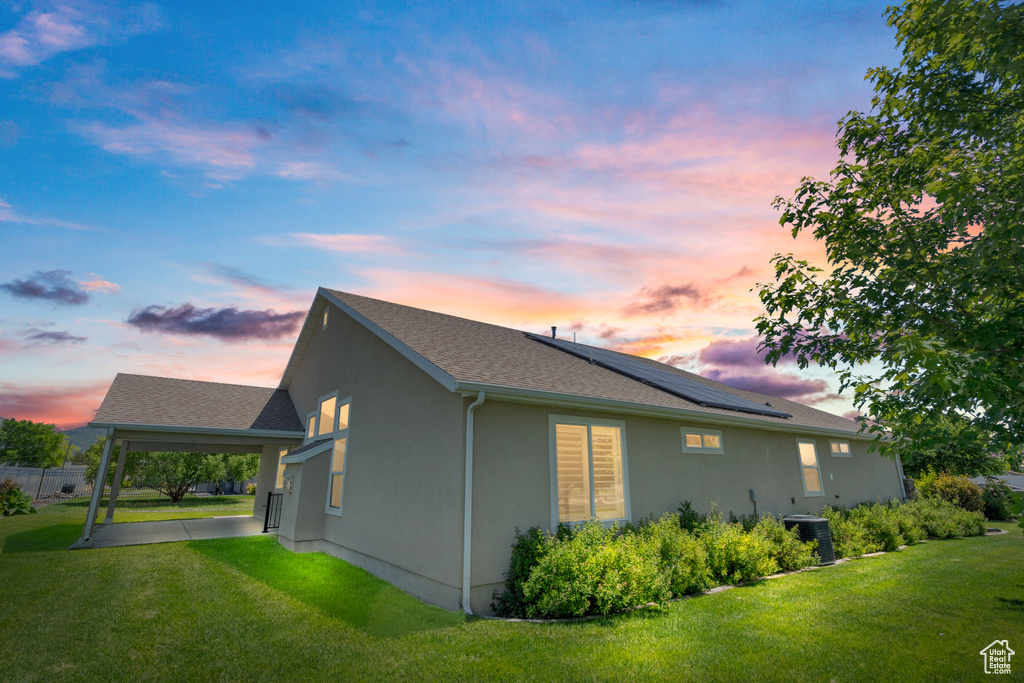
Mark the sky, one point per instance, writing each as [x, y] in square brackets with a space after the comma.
[178, 178]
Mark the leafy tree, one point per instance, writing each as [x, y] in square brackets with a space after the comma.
[33, 444]
[241, 466]
[132, 462]
[921, 306]
[959, 450]
[173, 474]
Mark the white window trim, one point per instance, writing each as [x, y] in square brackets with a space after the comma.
[279, 475]
[817, 460]
[700, 430]
[319, 404]
[338, 434]
[847, 454]
[553, 461]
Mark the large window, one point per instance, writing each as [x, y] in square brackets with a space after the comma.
[696, 440]
[335, 487]
[809, 469]
[589, 468]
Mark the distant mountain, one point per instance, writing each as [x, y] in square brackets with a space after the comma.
[83, 437]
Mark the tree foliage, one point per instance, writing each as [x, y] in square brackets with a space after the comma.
[132, 462]
[173, 474]
[921, 306]
[32, 444]
[958, 449]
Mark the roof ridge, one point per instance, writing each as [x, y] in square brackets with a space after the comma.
[200, 381]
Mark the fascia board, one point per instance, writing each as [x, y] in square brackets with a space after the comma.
[538, 397]
[305, 332]
[419, 361]
[213, 431]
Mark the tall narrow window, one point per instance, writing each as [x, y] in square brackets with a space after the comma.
[589, 468]
[325, 318]
[809, 469]
[337, 473]
[311, 427]
[327, 415]
[336, 483]
[280, 468]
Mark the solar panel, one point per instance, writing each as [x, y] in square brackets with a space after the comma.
[660, 379]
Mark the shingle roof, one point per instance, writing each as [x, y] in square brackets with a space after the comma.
[163, 401]
[473, 352]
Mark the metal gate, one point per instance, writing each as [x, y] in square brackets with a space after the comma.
[273, 518]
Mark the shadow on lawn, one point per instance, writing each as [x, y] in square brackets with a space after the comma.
[333, 587]
[45, 539]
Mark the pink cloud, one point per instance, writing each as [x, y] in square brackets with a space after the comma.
[227, 152]
[100, 286]
[348, 243]
[70, 26]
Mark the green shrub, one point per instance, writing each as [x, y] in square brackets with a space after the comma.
[849, 538]
[998, 499]
[958, 490]
[789, 551]
[682, 560]
[14, 501]
[734, 555]
[595, 571]
[527, 552]
[690, 519]
[250, 489]
[941, 519]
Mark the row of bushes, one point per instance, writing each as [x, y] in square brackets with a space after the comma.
[873, 527]
[995, 500]
[588, 568]
[14, 501]
[593, 569]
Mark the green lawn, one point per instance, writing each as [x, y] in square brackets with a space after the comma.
[238, 504]
[245, 609]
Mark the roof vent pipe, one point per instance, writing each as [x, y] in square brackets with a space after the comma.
[553, 328]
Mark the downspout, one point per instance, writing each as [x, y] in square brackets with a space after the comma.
[467, 515]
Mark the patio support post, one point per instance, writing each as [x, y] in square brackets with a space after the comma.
[116, 487]
[97, 490]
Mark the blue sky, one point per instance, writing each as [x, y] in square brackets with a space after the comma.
[177, 178]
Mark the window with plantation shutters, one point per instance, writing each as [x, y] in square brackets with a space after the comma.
[589, 470]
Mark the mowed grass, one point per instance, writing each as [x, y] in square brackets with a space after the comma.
[154, 502]
[244, 609]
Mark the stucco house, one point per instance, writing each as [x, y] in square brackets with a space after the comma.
[414, 443]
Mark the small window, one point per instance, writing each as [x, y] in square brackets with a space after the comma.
[327, 415]
[702, 441]
[809, 469]
[840, 449]
[311, 428]
[326, 310]
[280, 468]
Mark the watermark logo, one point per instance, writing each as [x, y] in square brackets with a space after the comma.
[997, 657]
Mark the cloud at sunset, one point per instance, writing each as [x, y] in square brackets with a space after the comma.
[66, 405]
[54, 286]
[34, 336]
[228, 323]
[69, 26]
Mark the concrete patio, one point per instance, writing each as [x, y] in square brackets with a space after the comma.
[167, 531]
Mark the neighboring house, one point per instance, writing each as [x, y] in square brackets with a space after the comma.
[1015, 480]
[427, 439]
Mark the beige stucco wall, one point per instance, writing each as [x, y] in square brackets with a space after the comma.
[266, 477]
[402, 508]
[512, 481]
